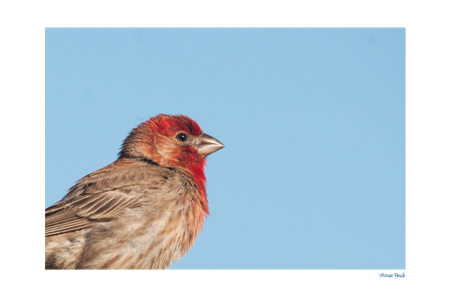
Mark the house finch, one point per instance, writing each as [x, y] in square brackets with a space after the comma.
[144, 210]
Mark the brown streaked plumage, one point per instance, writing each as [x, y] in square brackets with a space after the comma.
[144, 210]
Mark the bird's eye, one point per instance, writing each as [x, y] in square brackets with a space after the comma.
[182, 137]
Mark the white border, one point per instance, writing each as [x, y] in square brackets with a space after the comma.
[427, 161]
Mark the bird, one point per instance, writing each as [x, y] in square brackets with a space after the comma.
[144, 210]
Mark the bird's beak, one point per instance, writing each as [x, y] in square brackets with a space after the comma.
[208, 145]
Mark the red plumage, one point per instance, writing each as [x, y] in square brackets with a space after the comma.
[142, 211]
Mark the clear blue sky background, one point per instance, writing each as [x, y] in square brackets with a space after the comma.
[313, 120]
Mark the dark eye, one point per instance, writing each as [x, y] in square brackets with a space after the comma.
[182, 137]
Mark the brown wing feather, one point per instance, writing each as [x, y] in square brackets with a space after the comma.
[92, 199]
[86, 210]
[68, 226]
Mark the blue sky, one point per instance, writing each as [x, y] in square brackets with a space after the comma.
[313, 120]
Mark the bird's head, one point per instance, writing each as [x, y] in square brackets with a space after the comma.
[171, 141]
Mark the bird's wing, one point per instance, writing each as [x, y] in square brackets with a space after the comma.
[95, 199]
[88, 209]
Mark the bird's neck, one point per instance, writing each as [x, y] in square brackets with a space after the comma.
[197, 173]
